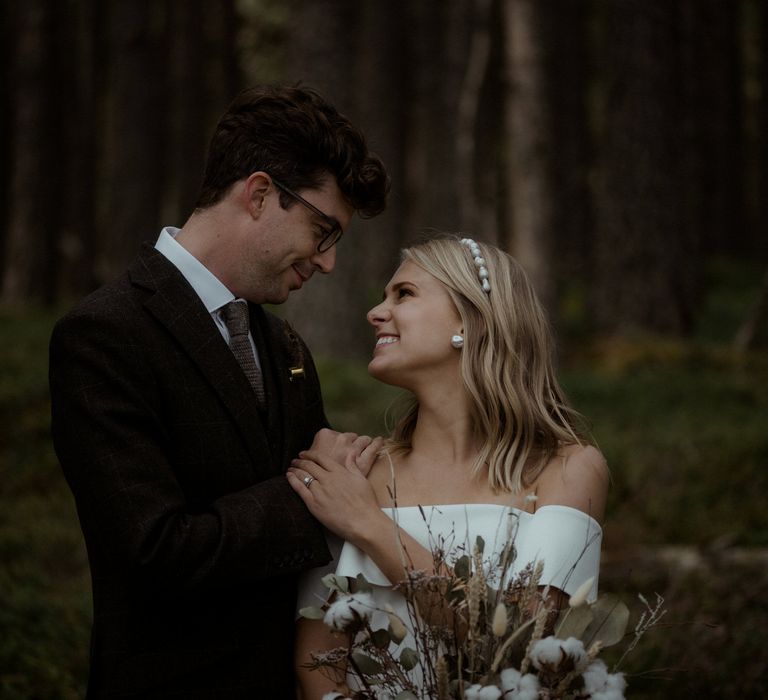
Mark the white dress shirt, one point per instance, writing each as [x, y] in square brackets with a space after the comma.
[207, 286]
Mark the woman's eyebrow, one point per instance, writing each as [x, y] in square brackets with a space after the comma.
[395, 287]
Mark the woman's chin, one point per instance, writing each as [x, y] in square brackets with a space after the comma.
[382, 373]
[375, 370]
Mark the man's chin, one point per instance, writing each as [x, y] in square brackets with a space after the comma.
[277, 296]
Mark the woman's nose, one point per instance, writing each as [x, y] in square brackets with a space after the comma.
[378, 314]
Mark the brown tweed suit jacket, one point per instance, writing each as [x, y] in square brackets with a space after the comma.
[194, 536]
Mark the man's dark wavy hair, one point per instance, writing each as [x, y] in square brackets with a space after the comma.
[297, 137]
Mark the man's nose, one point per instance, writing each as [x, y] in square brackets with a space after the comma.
[325, 261]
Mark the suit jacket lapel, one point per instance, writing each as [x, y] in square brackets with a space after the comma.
[175, 305]
[291, 393]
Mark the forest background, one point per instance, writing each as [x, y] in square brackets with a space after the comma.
[618, 148]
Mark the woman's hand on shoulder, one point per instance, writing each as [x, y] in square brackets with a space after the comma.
[338, 495]
[577, 477]
[349, 449]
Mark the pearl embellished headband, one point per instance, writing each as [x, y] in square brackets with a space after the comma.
[482, 271]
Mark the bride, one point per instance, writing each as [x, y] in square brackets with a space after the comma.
[489, 433]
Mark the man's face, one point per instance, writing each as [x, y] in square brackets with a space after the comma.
[283, 255]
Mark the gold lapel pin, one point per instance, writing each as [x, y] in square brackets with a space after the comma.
[296, 373]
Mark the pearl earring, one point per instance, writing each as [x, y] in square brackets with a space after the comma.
[457, 341]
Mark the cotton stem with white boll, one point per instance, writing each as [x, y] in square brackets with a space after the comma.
[349, 610]
[518, 686]
[482, 692]
[599, 683]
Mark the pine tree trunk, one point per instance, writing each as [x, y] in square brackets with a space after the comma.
[34, 181]
[644, 260]
[6, 136]
[80, 57]
[568, 90]
[186, 109]
[346, 67]
[712, 186]
[528, 145]
[132, 174]
[469, 104]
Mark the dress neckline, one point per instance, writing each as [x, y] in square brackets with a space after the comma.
[551, 506]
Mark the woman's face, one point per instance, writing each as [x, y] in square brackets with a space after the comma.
[414, 324]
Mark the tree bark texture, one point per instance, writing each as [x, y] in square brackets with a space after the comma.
[642, 256]
[134, 162]
[202, 79]
[384, 100]
[528, 146]
[6, 135]
[34, 181]
[469, 104]
[568, 89]
[712, 182]
[321, 56]
[763, 120]
[631, 135]
[80, 55]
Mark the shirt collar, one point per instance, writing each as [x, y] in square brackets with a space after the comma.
[207, 286]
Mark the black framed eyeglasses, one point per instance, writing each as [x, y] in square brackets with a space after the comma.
[332, 235]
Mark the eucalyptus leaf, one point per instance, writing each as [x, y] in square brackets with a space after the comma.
[336, 583]
[406, 695]
[409, 658]
[365, 664]
[573, 621]
[610, 618]
[362, 585]
[461, 567]
[381, 638]
[312, 613]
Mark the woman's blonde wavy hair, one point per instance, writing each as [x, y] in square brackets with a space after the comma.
[519, 412]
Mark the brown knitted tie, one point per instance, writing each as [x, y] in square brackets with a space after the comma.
[236, 318]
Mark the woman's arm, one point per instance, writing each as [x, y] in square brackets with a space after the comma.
[313, 636]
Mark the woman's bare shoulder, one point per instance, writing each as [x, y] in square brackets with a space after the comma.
[381, 478]
[577, 476]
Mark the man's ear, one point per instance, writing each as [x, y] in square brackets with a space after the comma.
[255, 189]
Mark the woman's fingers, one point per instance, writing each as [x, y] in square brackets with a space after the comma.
[296, 482]
[368, 456]
[319, 459]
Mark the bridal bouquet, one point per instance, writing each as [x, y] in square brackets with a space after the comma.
[472, 632]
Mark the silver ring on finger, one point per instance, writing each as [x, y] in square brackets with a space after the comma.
[308, 480]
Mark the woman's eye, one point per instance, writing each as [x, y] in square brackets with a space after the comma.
[402, 292]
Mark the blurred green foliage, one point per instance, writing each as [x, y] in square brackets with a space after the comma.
[44, 581]
[682, 423]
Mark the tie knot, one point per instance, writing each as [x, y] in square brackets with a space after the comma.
[236, 318]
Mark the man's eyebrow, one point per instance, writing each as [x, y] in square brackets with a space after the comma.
[332, 220]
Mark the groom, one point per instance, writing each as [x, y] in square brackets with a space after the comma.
[178, 403]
